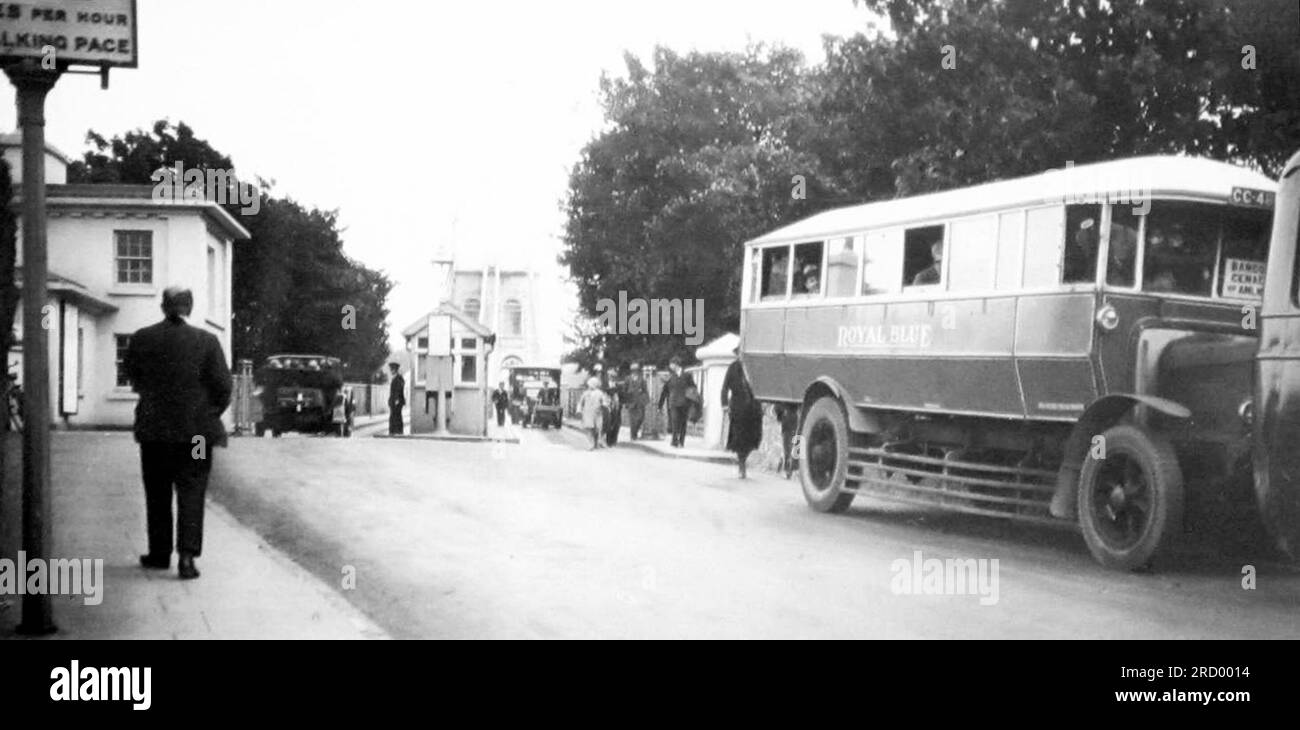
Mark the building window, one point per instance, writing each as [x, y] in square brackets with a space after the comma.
[514, 317]
[473, 307]
[213, 284]
[469, 369]
[134, 251]
[123, 342]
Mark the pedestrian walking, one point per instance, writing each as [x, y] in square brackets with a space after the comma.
[637, 397]
[184, 383]
[677, 394]
[746, 414]
[613, 389]
[590, 405]
[396, 399]
[500, 400]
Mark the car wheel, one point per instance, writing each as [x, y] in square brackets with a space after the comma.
[825, 462]
[1131, 498]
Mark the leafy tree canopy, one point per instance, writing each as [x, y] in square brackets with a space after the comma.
[293, 288]
[700, 150]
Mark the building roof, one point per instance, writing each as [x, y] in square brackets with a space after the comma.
[723, 347]
[451, 310]
[138, 196]
[1157, 176]
[15, 139]
[74, 291]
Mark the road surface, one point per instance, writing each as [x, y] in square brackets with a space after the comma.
[544, 539]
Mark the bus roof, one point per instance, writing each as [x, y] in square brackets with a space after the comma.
[1157, 175]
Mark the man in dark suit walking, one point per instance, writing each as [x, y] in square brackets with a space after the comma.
[677, 395]
[184, 384]
[396, 400]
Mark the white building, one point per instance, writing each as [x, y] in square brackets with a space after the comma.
[507, 302]
[112, 251]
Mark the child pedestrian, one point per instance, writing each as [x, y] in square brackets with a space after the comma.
[590, 405]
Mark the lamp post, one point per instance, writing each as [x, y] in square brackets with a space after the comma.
[33, 84]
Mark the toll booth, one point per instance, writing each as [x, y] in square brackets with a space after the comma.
[449, 379]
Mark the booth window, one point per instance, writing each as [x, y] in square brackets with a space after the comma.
[468, 369]
[776, 272]
[809, 269]
[923, 252]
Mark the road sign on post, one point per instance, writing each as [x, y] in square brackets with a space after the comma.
[38, 43]
[98, 33]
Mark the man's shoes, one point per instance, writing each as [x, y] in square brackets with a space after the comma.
[186, 568]
[156, 562]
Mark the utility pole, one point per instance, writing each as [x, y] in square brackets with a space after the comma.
[33, 84]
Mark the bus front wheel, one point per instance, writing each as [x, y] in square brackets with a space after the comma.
[1130, 498]
[824, 465]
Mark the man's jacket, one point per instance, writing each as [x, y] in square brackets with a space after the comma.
[183, 380]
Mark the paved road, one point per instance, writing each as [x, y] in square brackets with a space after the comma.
[545, 539]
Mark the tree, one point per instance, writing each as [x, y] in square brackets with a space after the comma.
[293, 288]
[1037, 84]
[700, 154]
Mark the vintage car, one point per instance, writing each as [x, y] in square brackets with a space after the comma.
[535, 396]
[303, 393]
[1076, 346]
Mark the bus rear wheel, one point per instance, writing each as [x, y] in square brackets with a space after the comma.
[825, 457]
[1131, 498]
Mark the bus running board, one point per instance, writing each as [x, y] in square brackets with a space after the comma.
[991, 490]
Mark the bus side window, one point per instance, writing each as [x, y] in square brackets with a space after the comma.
[809, 269]
[923, 252]
[1044, 236]
[1082, 242]
[776, 272]
[1121, 261]
[974, 254]
[882, 267]
[842, 266]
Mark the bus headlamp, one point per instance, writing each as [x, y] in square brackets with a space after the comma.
[1108, 318]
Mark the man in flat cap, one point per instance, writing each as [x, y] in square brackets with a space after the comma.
[184, 384]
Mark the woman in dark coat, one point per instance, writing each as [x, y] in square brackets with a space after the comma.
[746, 413]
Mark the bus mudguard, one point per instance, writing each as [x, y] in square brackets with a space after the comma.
[859, 421]
[1103, 413]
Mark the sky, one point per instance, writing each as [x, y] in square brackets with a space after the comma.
[421, 122]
